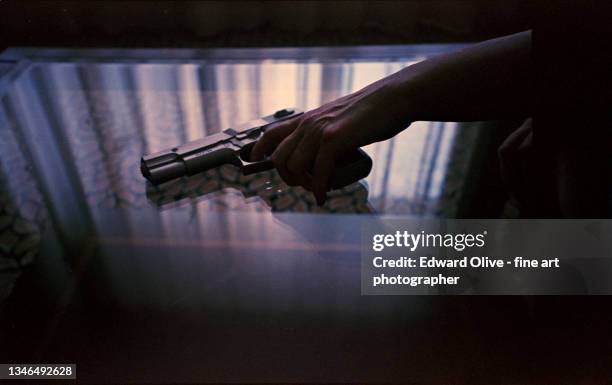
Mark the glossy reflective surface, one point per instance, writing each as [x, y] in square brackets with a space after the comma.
[74, 125]
[219, 277]
[98, 117]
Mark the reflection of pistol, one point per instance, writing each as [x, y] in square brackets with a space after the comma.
[233, 146]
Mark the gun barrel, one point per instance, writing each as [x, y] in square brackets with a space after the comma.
[162, 173]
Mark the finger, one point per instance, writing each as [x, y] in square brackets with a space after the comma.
[510, 152]
[272, 137]
[510, 146]
[282, 154]
[322, 172]
[302, 158]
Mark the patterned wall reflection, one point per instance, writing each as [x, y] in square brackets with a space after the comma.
[102, 117]
[71, 136]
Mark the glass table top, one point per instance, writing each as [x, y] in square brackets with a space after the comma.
[74, 124]
[86, 124]
[102, 269]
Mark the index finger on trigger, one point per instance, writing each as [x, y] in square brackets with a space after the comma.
[272, 137]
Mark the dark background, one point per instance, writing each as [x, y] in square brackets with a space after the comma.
[546, 339]
[254, 23]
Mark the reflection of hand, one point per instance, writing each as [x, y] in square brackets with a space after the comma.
[526, 174]
[305, 149]
[515, 161]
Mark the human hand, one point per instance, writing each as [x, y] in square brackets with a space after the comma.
[304, 149]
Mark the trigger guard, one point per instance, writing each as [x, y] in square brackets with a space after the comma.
[249, 167]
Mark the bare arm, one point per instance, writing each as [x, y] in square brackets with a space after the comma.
[490, 80]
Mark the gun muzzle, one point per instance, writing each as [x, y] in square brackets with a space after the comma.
[158, 170]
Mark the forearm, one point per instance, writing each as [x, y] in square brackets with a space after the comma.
[490, 80]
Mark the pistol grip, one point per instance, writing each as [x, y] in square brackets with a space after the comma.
[351, 168]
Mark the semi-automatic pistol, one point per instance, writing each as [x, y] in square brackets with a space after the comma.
[233, 146]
